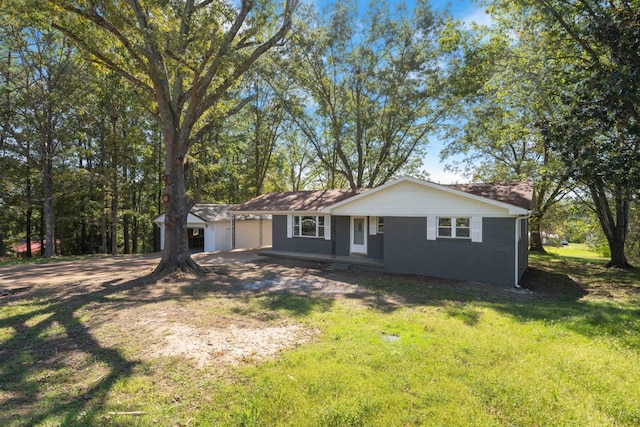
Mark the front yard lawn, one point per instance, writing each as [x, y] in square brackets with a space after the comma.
[292, 343]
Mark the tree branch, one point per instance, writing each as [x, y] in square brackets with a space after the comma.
[103, 59]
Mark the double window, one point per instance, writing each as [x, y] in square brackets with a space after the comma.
[455, 228]
[308, 226]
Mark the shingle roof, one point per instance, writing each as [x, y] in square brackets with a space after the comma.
[518, 194]
[291, 201]
[215, 212]
[211, 212]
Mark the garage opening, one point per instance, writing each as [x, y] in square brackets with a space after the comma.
[196, 239]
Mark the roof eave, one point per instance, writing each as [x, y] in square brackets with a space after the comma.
[514, 210]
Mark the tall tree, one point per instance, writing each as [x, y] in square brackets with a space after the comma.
[368, 94]
[599, 137]
[6, 56]
[186, 56]
[47, 78]
[266, 118]
[297, 160]
[507, 88]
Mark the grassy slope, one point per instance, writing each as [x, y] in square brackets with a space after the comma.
[458, 360]
[567, 354]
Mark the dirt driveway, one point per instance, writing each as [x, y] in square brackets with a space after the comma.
[244, 310]
[18, 276]
[84, 325]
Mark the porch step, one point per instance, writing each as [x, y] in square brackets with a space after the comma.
[338, 262]
[339, 266]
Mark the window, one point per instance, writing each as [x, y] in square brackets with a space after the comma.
[308, 226]
[380, 224]
[456, 228]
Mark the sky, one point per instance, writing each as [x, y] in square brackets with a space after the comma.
[466, 11]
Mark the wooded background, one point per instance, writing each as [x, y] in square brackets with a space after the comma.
[350, 97]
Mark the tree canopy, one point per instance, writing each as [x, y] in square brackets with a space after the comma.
[368, 96]
[186, 57]
[552, 94]
[114, 112]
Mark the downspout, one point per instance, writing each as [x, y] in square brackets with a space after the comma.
[233, 231]
[333, 236]
[517, 263]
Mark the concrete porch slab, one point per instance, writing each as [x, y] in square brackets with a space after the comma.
[352, 260]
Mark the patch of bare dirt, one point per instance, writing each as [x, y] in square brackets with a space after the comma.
[284, 282]
[229, 345]
[192, 317]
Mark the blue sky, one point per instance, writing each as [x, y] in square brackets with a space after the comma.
[464, 10]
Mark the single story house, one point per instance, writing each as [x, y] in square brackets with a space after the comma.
[212, 227]
[476, 232]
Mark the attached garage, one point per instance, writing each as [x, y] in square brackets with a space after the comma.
[211, 228]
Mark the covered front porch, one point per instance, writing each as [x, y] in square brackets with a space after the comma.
[339, 261]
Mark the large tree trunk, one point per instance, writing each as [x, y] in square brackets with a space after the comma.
[535, 244]
[176, 255]
[614, 224]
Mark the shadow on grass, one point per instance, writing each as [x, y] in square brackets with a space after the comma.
[46, 349]
[552, 284]
[46, 329]
[469, 316]
[295, 304]
[49, 342]
[551, 294]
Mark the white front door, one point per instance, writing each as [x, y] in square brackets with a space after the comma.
[359, 235]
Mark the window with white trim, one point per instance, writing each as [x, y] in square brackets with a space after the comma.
[308, 226]
[380, 225]
[454, 228]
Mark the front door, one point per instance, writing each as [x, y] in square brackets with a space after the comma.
[359, 235]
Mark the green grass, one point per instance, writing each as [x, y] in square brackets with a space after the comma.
[578, 251]
[460, 358]
[406, 351]
[441, 371]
